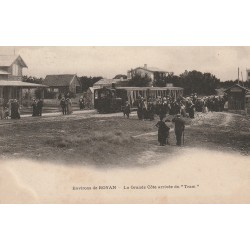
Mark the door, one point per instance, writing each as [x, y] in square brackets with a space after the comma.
[236, 101]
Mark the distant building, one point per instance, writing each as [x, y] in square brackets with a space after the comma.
[238, 99]
[105, 83]
[152, 72]
[111, 83]
[63, 83]
[11, 73]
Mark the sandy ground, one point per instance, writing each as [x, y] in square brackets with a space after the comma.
[206, 170]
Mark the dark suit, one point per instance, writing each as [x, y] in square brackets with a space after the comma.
[179, 128]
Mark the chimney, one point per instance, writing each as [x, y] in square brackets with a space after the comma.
[145, 66]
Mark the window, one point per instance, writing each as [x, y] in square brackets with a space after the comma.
[15, 70]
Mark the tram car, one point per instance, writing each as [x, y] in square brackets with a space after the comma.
[107, 101]
[111, 100]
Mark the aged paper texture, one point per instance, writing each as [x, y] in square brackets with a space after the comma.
[124, 125]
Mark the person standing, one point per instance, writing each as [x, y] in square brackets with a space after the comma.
[63, 105]
[126, 110]
[81, 103]
[39, 107]
[139, 108]
[163, 132]
[15, 110]
[68, 106]
[178, 128]
[34, 107]
[191, 110]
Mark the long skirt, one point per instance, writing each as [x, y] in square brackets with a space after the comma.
[162, 138]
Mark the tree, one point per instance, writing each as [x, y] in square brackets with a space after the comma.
[198, 82]
[32, 79]
[170, 78]
[140, 81]
[87, 82]
[119, 76]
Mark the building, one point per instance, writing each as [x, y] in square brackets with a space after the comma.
[111, 83]
[63, 84]
[155, 74]
[238, 99]
[11, 73]
[108, 83]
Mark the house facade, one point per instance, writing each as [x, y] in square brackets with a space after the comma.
[155, 74]
[11, 73]
[62, 84]
[11, 68]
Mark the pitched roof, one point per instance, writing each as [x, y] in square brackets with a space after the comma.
[8, 60]
[239, 86]
[155, 69]
[60, 80]
[21, 84]
[152, 69]
[105, 82]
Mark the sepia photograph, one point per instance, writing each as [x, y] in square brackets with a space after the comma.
[166, 124]
[124, 125]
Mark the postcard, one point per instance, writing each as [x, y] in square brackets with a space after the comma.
[124, 125]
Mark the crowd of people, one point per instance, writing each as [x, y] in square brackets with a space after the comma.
[147, 108]
[66, 106]
[37, 107]
[11, 110]
[180, 107]
[186, 106]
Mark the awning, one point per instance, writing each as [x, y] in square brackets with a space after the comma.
[4, 72]
[21, 84]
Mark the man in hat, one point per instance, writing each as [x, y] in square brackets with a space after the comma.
[63, 105]
[39, 107]
[34, 107]
[178, 128]
[81, 103]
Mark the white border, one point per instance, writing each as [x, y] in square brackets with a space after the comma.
[119, 23]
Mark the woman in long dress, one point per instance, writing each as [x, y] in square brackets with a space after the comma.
[163, 132]
[15, 110]
[69, 106]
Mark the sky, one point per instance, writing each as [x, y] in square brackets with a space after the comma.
[107, 62]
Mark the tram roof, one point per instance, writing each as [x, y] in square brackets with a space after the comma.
[150, 88]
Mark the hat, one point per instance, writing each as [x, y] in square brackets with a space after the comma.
[178, 115]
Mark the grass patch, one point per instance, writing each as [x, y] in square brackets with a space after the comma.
[69, 141]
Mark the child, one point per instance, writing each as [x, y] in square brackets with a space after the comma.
[6, 113]
[126, 110]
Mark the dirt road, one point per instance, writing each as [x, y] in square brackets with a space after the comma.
[42, 161]
[110, 139]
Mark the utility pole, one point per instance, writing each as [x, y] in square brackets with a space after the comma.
[242, 79]
[238, 75]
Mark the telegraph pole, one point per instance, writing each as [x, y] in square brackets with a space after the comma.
[238, 75]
